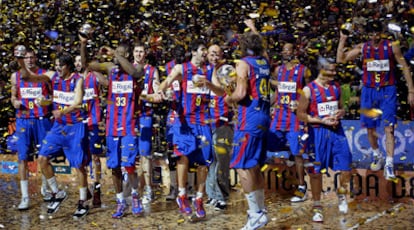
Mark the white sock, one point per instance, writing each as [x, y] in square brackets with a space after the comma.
[302, 186]
[147, 188]
[82, 193]
[120, 196]
[389, 160]
[376, 152]
[53, 184]
[24, 187]
[134, 191]
[44, 182]
[181, 192]
[260, 198]
[252, 202]
[199, 195]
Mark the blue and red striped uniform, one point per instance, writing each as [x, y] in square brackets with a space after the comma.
[323, 101]
[91, 98]
[381, 74]
[146, 106]
[195, 100]
[27, 92]
[330, 143]
[290, 81]
[31, 123]
[253, 117]
[63, 97]
[68, 133]
[122, 106]
[253, 111]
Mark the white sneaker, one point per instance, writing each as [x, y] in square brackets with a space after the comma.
[24, 204]
[317, 214]
[342, 204]
[389, 172]
[300, 195]
[377, 164]
[211, 202]
[56, 201]
[255, 220]
[47, 195]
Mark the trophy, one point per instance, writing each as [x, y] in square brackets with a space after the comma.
[86, 30]
[20, 51]
[226, 75]
[197, 80]
[347, 28]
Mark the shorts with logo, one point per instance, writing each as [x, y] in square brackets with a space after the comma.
[248, 150]
[331, 149]
[193, 141]
[121, 151]
[30, 133]
[72, 139]
[278, 140]
[385, 99]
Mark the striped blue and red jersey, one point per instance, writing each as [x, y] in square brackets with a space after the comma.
[253, 111]
[323, 101]
[290, 81]
[91, 99]
[195, 100]
[64, 96]
[378, 64]
[122, 104]
[27, 92]
[146, 106]
[220, 112]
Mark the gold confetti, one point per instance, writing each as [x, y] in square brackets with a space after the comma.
[372, 113]
[264, 167]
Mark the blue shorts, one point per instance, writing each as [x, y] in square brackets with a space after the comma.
[193, 141]
[248, 150]
[278, 141]
[145, 138]
[121, 151]
[385, 99]
[96, 139]
[29, 134]
[331, 149]
[71, 139]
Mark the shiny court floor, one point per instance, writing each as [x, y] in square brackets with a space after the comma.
[162, 214]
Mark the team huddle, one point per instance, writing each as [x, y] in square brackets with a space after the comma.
[219, 118]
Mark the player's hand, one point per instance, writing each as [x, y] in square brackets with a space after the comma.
[155, 97]
[17, 104]
[83, 40]
[250, 24]
[107, 50]
[339, 114]
[57, 113]
[330, 121]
